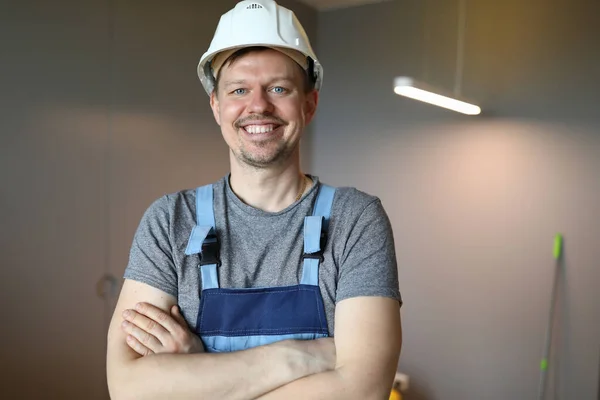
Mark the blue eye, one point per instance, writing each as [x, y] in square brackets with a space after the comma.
[279, 90]
[239, 91]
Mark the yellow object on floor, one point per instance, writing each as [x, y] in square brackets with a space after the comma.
[395, 395]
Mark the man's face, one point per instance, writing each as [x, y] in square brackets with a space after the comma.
[262, 107]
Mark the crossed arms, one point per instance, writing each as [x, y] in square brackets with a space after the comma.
[359, 363]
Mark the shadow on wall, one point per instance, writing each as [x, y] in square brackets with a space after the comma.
[559, 345]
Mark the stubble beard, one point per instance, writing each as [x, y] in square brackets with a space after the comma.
[264, 158]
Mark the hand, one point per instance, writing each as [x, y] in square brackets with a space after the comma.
[151, 330]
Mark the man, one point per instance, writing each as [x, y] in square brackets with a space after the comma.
[266, 284]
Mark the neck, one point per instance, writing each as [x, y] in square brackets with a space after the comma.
[269, 189]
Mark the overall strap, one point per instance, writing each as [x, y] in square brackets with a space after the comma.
[315, 234]
[203, 239]
[324, 202]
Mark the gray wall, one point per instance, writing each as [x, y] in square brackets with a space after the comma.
[475, 202]
[101, 112]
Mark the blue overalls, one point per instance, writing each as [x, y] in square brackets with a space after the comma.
[239, 319]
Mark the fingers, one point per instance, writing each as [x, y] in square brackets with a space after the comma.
[141, 337]
[146, 324]
[157, 315]
[138, 347]
[155, 331]
[176, 313]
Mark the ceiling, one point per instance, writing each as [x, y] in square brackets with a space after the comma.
[323, 5]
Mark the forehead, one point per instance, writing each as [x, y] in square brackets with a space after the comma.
[267, 63]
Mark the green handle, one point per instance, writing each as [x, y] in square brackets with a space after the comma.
[558, 246]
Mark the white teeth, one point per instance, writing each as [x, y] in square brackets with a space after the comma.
[259, 128]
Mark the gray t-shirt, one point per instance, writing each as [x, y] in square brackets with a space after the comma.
[264, 249]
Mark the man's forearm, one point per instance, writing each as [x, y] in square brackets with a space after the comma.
[342, 384]
[239, 375]
[368, 344]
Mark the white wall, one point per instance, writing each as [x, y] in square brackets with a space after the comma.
[475, 202]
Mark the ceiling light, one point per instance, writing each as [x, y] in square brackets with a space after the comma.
[411, 88]
[408, 87]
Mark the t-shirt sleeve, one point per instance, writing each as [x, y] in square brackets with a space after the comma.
[368, 264]
[151, 258]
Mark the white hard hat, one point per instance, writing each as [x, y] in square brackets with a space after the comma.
[259, 23]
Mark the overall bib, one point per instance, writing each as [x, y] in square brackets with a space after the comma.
[239, 319]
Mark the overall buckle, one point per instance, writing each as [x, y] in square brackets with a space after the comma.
[319, 254]
[210, 251]
[315, 256]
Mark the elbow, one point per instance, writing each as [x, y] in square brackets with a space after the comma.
[378, 393]
[117, 392]
[362, 385]
[357, 386]
[121, 390]
[121, 383]
[118, 389]
[374, 393]
[364, 394]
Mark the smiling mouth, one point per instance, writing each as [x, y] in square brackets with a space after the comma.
[263, 128]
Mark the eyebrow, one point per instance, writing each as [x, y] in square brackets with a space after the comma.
[243, 81]
[238, 82]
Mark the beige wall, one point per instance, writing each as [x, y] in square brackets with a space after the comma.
[101, 112]
[475, 202]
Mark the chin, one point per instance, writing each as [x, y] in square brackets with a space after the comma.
[263, 160]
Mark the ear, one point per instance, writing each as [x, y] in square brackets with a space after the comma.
[310, 105]
[216, 109]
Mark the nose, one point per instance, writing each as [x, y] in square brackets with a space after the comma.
[260, 103]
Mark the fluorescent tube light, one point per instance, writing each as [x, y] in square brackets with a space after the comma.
[408, 87]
